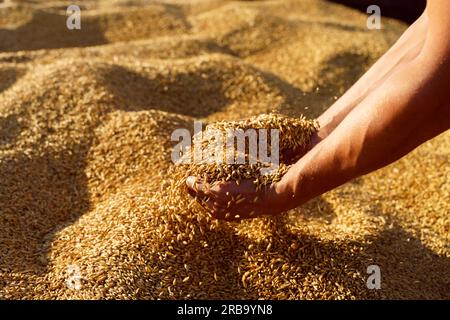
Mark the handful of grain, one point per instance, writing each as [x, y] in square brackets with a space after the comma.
[237, 150]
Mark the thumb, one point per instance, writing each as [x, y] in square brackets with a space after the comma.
[199, 188]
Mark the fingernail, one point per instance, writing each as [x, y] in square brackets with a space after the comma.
[190, 181]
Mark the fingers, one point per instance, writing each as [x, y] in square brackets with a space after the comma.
[233, 188]
[231, 201]
[218, 211]
[197, 188]
[209, 196]
[201, 189]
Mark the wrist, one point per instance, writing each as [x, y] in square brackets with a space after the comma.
[283, 194]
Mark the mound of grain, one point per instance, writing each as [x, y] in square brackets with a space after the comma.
[294, 134]
[91, 205]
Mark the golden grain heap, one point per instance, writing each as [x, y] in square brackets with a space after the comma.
[224, 151]
[92, 207]
[219, 148]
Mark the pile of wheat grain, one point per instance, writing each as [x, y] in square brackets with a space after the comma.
[218, 164]
[88, 192]
[226, 157]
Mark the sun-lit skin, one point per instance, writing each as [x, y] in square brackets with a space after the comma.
[401, 102]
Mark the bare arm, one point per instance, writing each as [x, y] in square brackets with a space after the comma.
[405, 106]
[411, 106]
[407, 47]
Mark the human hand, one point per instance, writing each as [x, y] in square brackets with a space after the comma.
[291, 156]
[233, 202]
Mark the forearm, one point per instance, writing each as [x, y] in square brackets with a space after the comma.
[408, 109]
[400, 103]
[407, 47]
